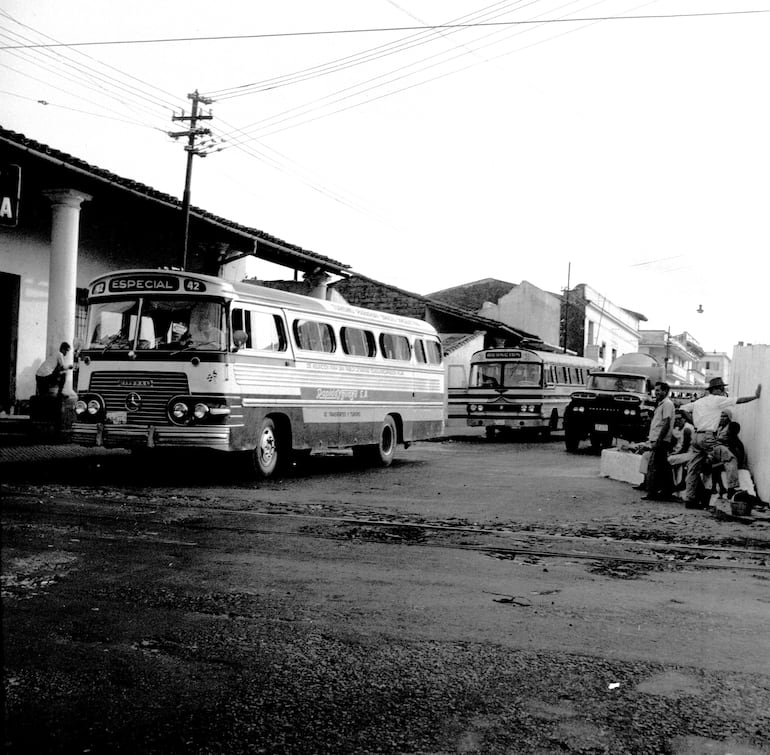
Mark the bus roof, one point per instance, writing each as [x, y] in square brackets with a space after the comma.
[172, 282]
[546, 357]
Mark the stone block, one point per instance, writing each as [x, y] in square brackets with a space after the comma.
[621, 465]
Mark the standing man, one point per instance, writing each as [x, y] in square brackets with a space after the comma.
[659, 481]
[53, 371]
[706, 412]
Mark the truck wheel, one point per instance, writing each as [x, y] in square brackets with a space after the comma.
[489, 431]
[571, 439]
[600, 441]
[268, 454]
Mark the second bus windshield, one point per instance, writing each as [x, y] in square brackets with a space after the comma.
[506, 375]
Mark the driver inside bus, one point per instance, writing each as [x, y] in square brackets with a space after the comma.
[204, 332]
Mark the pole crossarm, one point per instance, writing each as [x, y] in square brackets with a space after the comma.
[192, 133]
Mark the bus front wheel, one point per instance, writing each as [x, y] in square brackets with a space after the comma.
[268, 454]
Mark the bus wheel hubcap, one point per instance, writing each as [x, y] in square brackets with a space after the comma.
[267, 447]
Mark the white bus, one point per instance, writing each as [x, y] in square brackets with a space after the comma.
[176, 359]
[519, 389]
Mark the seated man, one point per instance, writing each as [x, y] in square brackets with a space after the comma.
[681, 453]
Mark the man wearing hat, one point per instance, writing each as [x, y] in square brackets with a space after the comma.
[706, 412]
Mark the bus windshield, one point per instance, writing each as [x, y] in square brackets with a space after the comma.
[161, 323]
[506, 375]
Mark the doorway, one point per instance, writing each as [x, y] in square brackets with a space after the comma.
[10, 286]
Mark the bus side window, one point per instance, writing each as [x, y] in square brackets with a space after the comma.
[357, 342]
[433, 352]
[419, 351]
[314, 336]
[266, 332]
[394, 346]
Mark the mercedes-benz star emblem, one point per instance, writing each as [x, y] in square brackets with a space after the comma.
[133, 402]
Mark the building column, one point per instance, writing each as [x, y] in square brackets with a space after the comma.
[62, 277]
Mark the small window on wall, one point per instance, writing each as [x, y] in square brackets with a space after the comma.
[312, 335]
[433, 351]
[393, 346]
[357, 342]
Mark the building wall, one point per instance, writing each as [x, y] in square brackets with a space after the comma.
[531, 309]
[716, 364]
[751, 366]
[608, 330]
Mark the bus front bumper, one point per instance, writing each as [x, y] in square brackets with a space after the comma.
[150, 436]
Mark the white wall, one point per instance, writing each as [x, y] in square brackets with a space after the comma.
[532, 310]
[28, 257]
[612, 325]
[751, 366]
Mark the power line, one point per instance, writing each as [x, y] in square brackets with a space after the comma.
[274, 35]
[268, 126]
[375, 53]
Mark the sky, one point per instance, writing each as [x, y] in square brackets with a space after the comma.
[619, 143]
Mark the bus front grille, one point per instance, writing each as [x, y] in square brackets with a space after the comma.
[153, 389]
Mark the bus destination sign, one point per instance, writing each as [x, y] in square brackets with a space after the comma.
[503, 355]
[130, 283]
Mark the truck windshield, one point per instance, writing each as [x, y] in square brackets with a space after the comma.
[610, 382]
[161, 323]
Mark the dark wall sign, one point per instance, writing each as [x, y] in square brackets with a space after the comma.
[10, 191]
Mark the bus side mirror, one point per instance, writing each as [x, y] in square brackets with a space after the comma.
[240, 338]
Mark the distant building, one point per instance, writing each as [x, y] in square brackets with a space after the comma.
[521, 305]
[680, 354]
[715, 364]
[594, 327]
[581, 320]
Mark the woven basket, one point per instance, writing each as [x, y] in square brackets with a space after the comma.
[740, 508]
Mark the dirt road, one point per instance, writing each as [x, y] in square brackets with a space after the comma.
[475, 597]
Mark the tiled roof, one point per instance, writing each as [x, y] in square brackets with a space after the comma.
[453, 341]
[471, 296]
[293, 252]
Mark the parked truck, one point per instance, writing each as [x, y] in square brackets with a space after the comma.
[612, 405]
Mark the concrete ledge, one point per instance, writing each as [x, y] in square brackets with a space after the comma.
[621, 465]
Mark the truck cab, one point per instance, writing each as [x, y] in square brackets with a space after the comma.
[612, 405]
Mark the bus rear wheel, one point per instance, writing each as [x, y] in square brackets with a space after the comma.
[382, 453]
[268, 453]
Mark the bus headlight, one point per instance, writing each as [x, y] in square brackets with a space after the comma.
[179, 411]
[93, 407]
[80, 407]
[200, 411]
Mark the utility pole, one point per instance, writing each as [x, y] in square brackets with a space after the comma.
[668, 351]
[566, 307]
[191, 134]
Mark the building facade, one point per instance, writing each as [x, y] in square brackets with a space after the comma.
[680, 355]
[594, 327]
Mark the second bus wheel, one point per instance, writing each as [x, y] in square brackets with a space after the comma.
[268, 453]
